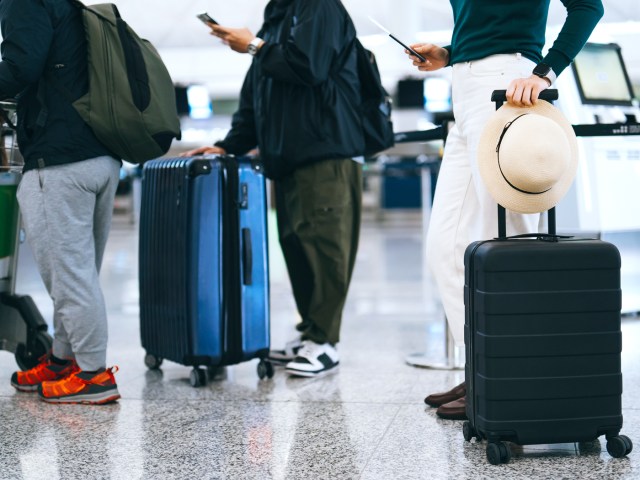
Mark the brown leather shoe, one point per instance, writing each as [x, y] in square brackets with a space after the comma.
[455, 410]
[437, 399]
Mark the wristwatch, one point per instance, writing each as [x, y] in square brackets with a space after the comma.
[254, 46]
[543, 70]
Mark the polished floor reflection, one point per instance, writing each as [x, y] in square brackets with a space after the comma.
[366, 422]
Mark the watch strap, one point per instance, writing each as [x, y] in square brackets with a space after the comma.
[543, 70]
[254, 45]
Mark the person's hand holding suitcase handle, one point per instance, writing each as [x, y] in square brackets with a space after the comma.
[500, 96]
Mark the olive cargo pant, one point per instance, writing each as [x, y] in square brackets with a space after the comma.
[319, 208]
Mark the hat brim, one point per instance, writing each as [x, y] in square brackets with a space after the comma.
[494, 181]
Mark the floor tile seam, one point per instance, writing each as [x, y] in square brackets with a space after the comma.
[124, 398]
[379, 443]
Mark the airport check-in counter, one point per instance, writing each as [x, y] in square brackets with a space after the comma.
[597, 98]
[403, 177]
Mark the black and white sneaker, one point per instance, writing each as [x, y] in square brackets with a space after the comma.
[314, 360]
[284, 356]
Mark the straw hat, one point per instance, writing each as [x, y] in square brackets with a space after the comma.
[528, 157]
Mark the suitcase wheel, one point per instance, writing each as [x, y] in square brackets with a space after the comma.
[468, 432]
[265, 369]
[619, 446]
[152, 362]
[198, 377]
[27, 355]
[498, 452]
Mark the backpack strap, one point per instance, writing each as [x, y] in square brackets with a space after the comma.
[62, 89]
[41, 121]
[284, 32]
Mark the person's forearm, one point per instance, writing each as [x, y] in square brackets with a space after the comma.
[582, 17]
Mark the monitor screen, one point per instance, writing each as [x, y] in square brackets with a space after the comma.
[182, 101]
[437, 95]
[601, 75]
[410, 93]
[199, 102]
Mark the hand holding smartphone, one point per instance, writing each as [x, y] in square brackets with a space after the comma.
[206, 19]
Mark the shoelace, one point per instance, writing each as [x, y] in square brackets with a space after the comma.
[292, 345]
[308, 349]
[43, 362]
[40, 370]
[100, 378]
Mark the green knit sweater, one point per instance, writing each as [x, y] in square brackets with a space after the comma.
[489, 27]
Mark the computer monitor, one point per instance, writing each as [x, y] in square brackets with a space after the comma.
[410, 93]
[601, 75]
[199, 102]
[182, 101]
[437, 95]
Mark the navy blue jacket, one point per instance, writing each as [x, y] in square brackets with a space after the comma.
[299, 102]
[43, 39]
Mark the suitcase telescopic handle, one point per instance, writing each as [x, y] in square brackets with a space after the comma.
[502, 222]
[499, 97]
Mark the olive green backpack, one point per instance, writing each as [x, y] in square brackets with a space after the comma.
[130, 105]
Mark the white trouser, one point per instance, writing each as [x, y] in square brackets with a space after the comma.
[463, 210]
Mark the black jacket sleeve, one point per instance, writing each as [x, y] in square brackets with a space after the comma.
[242, 137]
[27, 33]
[316, 39]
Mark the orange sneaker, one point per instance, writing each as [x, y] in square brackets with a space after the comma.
[81, 387]
[46, 370]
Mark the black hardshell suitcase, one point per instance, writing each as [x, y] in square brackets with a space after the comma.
[204, 285]
[543, 342]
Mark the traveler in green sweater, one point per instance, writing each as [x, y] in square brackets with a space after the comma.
[496, 44]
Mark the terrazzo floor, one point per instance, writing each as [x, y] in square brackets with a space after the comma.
[366, 422]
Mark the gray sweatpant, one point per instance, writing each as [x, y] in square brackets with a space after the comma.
[66, 212]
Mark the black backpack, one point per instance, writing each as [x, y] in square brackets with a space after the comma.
[375, 107]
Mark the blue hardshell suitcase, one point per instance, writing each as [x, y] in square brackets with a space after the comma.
[204, 284]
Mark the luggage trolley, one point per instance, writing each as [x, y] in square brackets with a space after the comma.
[23, 331]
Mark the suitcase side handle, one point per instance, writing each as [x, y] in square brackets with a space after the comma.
[247, 257]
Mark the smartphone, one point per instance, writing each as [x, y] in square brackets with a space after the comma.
[413, 52]
[206, 19]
